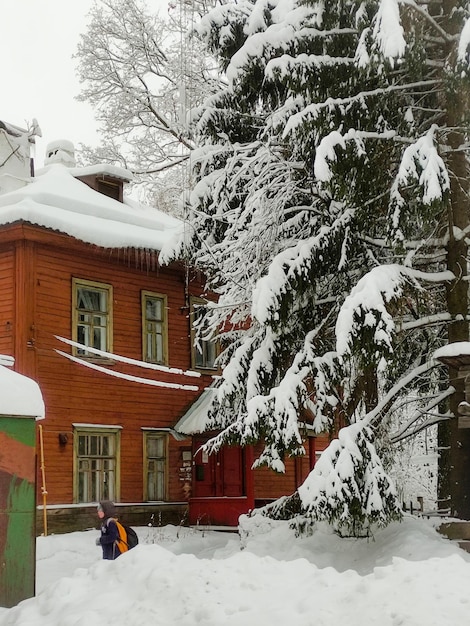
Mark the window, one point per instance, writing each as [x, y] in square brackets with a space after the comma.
[154, 328]
[155, 464]
[96, 456]
[203, 352]
[92, 310]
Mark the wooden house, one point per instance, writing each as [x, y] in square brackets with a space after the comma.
[88, 312]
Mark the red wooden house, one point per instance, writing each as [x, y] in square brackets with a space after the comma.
[87, 311]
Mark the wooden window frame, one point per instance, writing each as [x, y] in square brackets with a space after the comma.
[163, 434]
[193, 302]
[79, 429]
[98, 286]
[157, 296]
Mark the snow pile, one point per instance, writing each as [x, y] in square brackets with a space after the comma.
[407, 575]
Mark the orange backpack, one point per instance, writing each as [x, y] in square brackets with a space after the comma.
[128, 538]
[121, 543]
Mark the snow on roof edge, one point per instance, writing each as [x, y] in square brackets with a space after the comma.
[458, 348]
[195, 419]
[103, 168]
[57, 200]
[20, 396]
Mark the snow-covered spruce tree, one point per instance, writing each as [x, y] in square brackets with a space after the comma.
[331, 215]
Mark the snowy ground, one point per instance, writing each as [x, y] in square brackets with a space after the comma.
[408, 575]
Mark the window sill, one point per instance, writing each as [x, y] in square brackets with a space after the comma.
[206, 370]
[95, 359]
[159, 363]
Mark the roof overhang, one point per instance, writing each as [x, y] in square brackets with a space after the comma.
[195, 420]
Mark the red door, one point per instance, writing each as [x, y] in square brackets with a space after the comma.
[219, 474]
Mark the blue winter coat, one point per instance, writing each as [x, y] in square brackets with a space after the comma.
[109, 536]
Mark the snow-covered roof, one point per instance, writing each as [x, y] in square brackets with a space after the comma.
[195, 419]
[21, 134]
[55, 199]
[107, 169]
[19, 395]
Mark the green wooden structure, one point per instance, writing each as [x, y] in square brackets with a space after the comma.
[17, 486]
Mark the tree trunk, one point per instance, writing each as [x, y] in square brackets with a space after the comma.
[455, 442]
[455, 460]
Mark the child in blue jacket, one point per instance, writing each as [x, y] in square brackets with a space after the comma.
[109, 530]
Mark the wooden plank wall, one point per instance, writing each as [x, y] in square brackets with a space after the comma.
[270, 485]
[76, 394]
[7, 294]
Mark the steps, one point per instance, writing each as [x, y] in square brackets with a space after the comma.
[457, 531]
[465, 545]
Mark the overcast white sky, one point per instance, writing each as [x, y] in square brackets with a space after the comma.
[38, 80]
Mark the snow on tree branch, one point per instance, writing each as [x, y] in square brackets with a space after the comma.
[289, 265]
[422, 163]
[300, 65]
[312, 111]
[405, 430]
[388, 32]
[413, 374]
[326, 149]
[366, 306]
[464, 43]
[138, 71]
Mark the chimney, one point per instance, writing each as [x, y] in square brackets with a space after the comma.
[60, 151]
